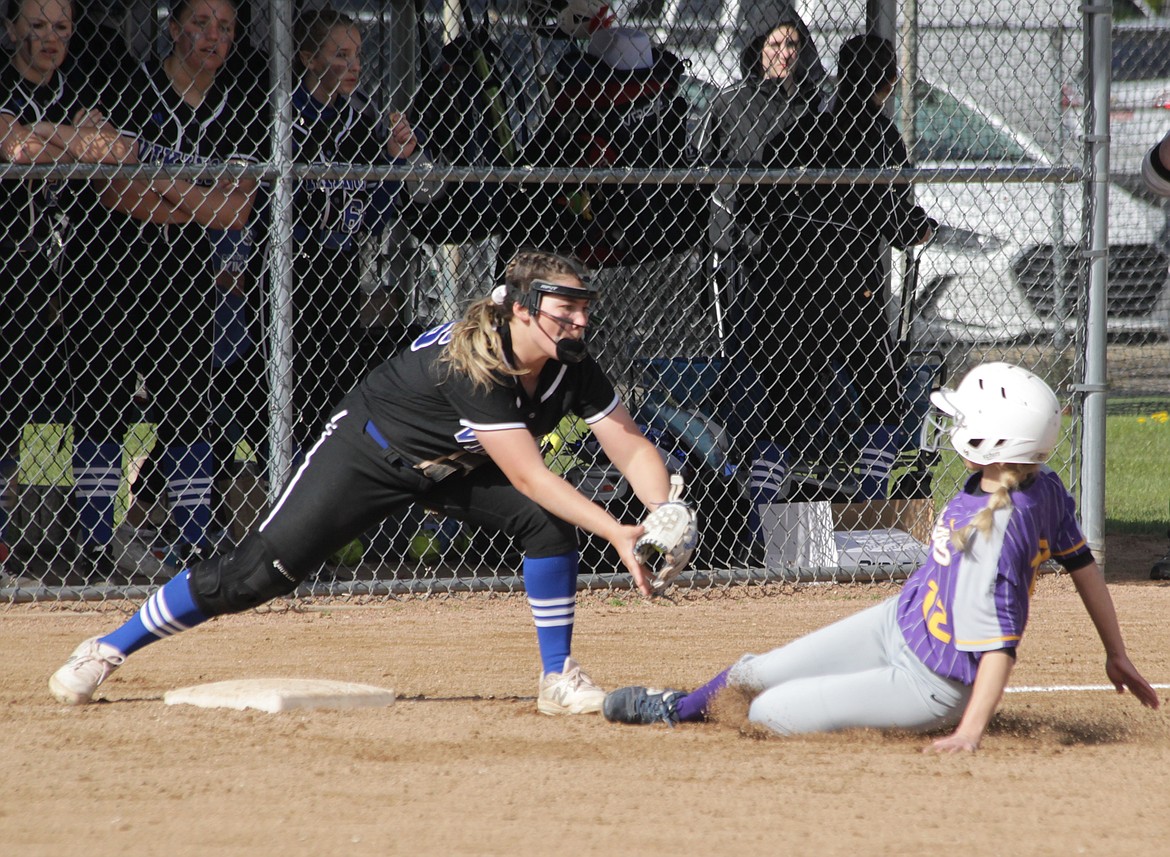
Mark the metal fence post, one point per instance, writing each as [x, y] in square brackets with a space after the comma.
[280, 248]
[1098, 50]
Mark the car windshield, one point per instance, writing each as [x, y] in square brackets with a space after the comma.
[948, 130]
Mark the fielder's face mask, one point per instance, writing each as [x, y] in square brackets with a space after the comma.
[568, 350]
[937, 428]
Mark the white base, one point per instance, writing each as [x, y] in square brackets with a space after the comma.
[280, 694]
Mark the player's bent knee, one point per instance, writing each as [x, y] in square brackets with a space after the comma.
[242, 579]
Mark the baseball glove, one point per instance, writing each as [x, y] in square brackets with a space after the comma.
[671, 532]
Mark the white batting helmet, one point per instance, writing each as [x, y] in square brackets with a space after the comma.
[1001, 413]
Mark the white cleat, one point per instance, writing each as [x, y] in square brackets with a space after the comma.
[90, 664]
[569, 692]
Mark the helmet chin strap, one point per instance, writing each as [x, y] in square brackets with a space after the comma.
[568, 350]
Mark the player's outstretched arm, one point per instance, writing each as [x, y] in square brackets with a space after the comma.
[1090, 584]
[635, 456]
[518, 456]
[990, 681]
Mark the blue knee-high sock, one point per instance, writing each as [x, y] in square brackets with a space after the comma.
[696, 704]
[97, 475]
[768, 481]
[879, 449]
[551, 585]
[167, 611]
[189, 472]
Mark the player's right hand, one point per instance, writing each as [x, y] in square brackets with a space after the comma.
[623, 541]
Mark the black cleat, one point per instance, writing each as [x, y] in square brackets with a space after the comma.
[642, 705]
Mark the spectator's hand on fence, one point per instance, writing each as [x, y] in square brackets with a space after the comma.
[402, 142]
[98, 141]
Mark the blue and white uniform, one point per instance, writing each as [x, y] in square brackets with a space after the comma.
[37, 240]
[409, 410]
[158, 291]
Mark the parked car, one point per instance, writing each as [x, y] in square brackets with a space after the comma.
[1006, 264]
[991, 273]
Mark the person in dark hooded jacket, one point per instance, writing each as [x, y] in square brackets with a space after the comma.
[781, 81]
[781, 85]
[826, 244]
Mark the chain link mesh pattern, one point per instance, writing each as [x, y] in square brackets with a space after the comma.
[796, 232]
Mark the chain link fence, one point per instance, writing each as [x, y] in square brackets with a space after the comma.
[222, 215]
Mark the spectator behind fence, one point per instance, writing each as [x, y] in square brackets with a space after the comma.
[781, 81]
[467, 102]
[160, 258]
[333, 126]
[47, 116]
[617, 105]
[829, 333]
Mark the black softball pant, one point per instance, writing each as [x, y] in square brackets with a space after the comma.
[349, 482]
[142, 307]
[34, 375]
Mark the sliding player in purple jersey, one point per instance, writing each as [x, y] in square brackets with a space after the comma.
[938, 655]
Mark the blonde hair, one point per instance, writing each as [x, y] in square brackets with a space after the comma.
[1011, 477]
[475, 348]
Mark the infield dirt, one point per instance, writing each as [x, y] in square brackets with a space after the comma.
[463, 764]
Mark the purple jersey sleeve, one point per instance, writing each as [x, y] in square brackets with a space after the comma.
[958, 605]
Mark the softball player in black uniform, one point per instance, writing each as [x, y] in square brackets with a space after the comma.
[332, 126]
[450, 423]
[181, 111]
[46, 116]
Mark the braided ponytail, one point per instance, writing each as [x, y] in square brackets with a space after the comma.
[1010, 479]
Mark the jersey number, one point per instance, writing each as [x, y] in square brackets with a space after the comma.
[935, 614]
[440, 335]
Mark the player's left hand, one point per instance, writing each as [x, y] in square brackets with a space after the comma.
[672, 534]
[1124, 675]
[953, 743]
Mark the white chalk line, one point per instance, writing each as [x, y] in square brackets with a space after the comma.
[1073, 688]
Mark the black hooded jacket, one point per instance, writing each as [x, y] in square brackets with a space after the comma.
[743, 117]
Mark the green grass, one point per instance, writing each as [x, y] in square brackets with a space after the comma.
[1137, 471]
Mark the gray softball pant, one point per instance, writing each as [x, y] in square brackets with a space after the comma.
[855, 673]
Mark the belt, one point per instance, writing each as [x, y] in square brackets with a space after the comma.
[434, 469]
